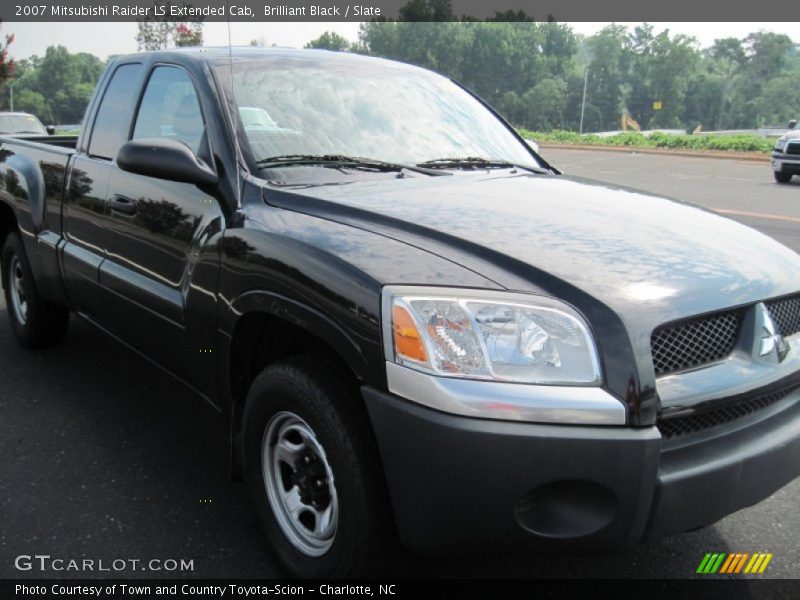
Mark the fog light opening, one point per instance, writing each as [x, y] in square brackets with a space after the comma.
[566, 509]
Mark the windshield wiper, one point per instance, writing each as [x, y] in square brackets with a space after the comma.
[340, 160]
[475, 163]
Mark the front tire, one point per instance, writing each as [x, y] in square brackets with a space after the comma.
[312, 469]
[782, 177]
[36, 322]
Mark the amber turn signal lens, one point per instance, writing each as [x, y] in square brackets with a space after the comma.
[407, 339]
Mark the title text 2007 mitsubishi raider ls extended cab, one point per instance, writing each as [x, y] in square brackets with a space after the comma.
[415, 321]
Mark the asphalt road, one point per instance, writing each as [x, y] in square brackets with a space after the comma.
[741, 190]
[102, 456]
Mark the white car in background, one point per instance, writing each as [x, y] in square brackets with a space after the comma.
[20, 124]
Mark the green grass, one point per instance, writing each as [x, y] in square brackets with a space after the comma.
[67, 131]
[729, 143]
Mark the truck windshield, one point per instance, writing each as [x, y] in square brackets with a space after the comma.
[374, 109]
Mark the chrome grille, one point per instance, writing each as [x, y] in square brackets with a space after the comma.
[696, 342]
[678, 426]
[793, 148]
[786, 314]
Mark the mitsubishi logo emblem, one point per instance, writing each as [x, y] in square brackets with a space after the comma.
[770, 339]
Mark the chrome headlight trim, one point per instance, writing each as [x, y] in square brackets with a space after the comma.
[529, 403]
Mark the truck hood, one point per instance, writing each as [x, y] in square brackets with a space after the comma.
[649, 259]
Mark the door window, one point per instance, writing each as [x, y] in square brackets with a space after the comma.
[113, 121]
[170, 108]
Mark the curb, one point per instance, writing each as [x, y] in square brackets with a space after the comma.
[741, 156]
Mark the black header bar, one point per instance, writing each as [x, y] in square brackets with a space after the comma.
[365, 10]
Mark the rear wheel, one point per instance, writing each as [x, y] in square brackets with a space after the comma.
[312, 469]
[782, 177]
[36, 322]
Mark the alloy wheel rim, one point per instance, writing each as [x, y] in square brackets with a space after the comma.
[300, 484]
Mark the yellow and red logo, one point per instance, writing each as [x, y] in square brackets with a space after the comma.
[734, 563]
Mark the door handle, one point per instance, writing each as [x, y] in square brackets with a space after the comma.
[123, 204]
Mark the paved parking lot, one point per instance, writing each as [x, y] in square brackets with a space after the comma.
[102, 456]
[742, 190]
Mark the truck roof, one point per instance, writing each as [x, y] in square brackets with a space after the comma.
[223, 54]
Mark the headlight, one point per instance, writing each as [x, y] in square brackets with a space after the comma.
[780, 144]
[488, 335]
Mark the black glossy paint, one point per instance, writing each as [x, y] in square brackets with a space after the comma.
[628, 261]
[174, 269]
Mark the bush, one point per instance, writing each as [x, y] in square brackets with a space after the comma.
[730, 143]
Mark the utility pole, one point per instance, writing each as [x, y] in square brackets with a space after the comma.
[11, 96]
[583, 104]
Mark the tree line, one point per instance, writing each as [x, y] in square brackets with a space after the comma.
[532, 72]
[55, 87]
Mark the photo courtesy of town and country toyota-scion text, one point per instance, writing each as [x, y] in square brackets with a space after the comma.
[204, 591]
[398, 298]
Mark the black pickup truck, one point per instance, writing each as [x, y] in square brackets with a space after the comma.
[409, 321]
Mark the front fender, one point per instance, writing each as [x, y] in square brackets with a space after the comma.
[307, 318]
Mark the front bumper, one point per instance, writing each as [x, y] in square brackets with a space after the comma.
[463, 484]
[786, 163]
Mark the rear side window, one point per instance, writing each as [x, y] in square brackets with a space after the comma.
[170, 108]
[113, 119]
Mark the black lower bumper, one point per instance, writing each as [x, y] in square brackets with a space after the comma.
[460, 484]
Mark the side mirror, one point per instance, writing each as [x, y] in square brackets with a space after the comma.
[50, 129]
[165, 158]
[792, 124]
[533, 145]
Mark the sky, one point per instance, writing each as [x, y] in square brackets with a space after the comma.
[103, 39]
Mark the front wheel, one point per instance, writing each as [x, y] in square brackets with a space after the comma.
[312, 468]
[782, 177]
[36, 322]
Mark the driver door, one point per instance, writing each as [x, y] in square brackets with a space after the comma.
[159, 279]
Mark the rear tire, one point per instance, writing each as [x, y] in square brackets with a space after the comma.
[312, 468]
[782, 177]
[36, 322]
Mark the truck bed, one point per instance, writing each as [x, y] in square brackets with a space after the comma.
[60, 141]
